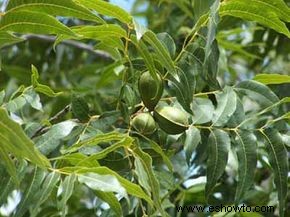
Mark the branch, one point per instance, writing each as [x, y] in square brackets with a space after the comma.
[72, 43]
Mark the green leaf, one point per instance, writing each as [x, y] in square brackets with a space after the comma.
[192, 139]
[130, 187]
[218, 148]
[107, 9]
[65, 8]
[146, 162]
[2, 96]
[268, 13]
[159, 150]
[29, 196]
[32, 22]
[13, 138]
[111, 199]
[9, 164]
[226, 106]
[161, 52]
[146, 55]
[68, 188]
[182, 86]
[50, 140]
[77, 159]
[42, 195]
[143, 178]
[279, 162]
[272, 78]
[16, 104]
[106, 183]
[7, 184]
[100, 32]
[112, 136]
[258, 92]
[33, 99]
[8, 39]
[126, 142]
[168, 42]
[247, 160]
[203, 110]
[40, 87]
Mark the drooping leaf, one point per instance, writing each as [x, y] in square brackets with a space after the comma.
[7, 183]
[226, 106]
[50, 140]
[66, 8]
[143, 178]
[218, 148]
[111, 199]
[247, 160]
[8, 39]
[268, 13]
[42, 195]
[168, 42]
[130, 187]
[105, 183]
[146, 55]
[182, 86]
[238, 116]
[159, 150]
[279, 162]
[146, 162]
[192, 139]
[9, 164]
[161, 52]
[32, 22]
[67, 191]
[107, 9]
[29, 196]
[13, 138]
[258, 92]
[272, 78]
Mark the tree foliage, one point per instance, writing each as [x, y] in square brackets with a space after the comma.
[69, 91]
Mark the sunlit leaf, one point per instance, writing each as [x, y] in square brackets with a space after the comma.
[107, 9]
[13, 138]
[50, 140]
[106, 183]
[32, 22]
[264, 12]
[130, 187]
[8, 39]
[54, 7]
[272, 78]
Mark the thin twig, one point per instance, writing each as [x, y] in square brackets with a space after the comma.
[72, 43]
[56, 117]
